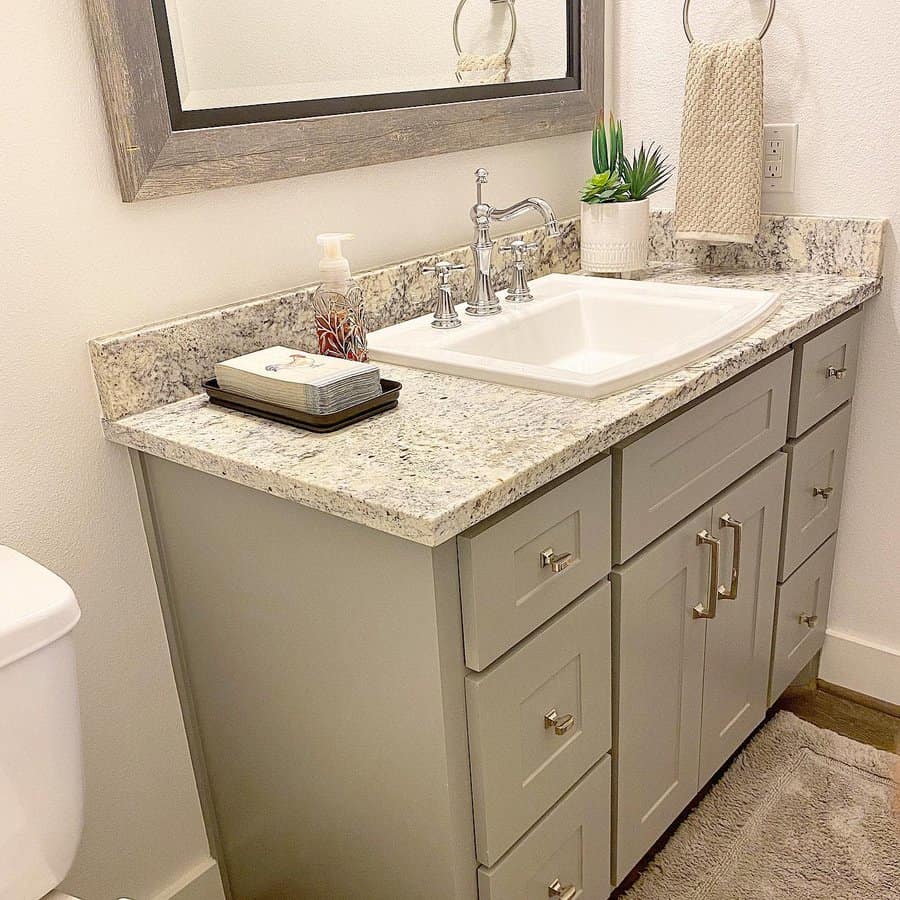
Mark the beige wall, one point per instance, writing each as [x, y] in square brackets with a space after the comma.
[833, 67]
[76, 263]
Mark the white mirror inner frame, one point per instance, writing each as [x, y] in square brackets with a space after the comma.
[156, 158]
[231, 53]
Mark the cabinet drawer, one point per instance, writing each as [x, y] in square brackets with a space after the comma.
[570, 845]
[520, 765]
[669, 472]
[798, 637]
[815, 487]
[824, 373]
[508, 587]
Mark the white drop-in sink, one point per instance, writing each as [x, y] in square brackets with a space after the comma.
[581, 336]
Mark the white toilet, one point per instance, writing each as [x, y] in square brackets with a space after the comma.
[41, 787]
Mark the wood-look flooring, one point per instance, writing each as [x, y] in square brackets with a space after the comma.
[861, 718]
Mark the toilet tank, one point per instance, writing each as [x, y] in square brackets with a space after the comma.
[40, 734]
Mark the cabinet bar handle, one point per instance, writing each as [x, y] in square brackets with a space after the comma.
[833, 372]
[824, 492]
[559, 891]
[558, 562]
[738, 527]
[709, 610]
[809, 620]
[560, 724]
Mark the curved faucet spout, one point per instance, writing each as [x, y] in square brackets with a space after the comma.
[483, 300]
[532, 203]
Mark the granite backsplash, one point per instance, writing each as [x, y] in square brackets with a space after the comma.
[147, 367]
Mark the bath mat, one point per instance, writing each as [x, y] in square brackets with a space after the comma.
[801, 814]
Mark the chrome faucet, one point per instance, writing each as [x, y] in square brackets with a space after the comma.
[483, 301]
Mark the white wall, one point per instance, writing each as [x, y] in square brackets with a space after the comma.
[834, 67]
[230, 53]
[77, 263]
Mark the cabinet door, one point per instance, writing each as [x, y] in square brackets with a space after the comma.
[739, 638]
[659, 646]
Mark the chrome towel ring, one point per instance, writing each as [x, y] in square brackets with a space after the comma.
[690, 34]
[512, 34]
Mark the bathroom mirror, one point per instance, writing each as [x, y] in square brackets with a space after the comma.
[204, 94]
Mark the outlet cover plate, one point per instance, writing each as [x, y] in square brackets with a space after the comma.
[780, 155]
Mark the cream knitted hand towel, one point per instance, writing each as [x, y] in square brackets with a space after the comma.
[472, 68]
[720, 168]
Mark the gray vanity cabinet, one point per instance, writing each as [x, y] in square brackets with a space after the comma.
[739, 639]
[658, 648]
[691, 689]
[493, 718]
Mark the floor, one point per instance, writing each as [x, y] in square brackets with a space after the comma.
[836, 709]
[827, 706]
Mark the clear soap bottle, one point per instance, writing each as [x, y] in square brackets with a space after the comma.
[338, 305]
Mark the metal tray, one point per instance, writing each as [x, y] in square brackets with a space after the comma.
[390, 391]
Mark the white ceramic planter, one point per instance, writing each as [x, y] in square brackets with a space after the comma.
[615, 237]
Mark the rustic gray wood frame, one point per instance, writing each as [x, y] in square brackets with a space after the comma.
[154, 161]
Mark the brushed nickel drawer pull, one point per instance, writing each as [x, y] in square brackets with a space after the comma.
[833, 372]
[559, 891]
[738, 527]
[558, 562]
[824, 492]
[808, 620]
[560, 724]
[709, 610]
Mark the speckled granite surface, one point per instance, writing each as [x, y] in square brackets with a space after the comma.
[457, 450]
[144, 368]
[821, 246]
[140, 369]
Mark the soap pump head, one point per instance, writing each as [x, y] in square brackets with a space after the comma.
[334, 267]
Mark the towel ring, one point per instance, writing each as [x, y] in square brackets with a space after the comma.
[690, 34]
[512, 34]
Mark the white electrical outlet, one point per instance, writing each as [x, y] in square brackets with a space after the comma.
[780, 158]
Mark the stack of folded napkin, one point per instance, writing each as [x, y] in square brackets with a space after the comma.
[318, 385]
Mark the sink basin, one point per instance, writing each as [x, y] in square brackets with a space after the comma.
[582, 336]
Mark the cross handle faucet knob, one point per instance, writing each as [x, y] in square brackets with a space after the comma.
[443, 270]
[519, 249]
[445, 315]
[519, 291]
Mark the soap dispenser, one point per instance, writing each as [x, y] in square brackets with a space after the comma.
[338, 306]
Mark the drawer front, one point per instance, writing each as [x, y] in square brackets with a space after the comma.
[509, 587]
[824, 373]
[801, 617]
[522, 762]
[569, 847]
[668, 473]
[815, 487]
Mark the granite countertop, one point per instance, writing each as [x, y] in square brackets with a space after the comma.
[456, 450]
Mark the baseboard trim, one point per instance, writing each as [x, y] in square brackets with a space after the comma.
[203, 882]
[866, 668]
[882, 706]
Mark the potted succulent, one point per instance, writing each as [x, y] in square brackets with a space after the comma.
[615, 209]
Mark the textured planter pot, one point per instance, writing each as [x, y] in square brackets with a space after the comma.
[615, 237]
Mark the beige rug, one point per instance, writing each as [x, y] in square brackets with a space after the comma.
[802, 814]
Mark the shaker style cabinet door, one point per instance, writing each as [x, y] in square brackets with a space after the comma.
[659, 645]
[747, 521]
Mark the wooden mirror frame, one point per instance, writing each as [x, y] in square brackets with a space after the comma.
[154, 161]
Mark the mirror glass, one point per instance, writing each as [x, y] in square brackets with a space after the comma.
[232, 62]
